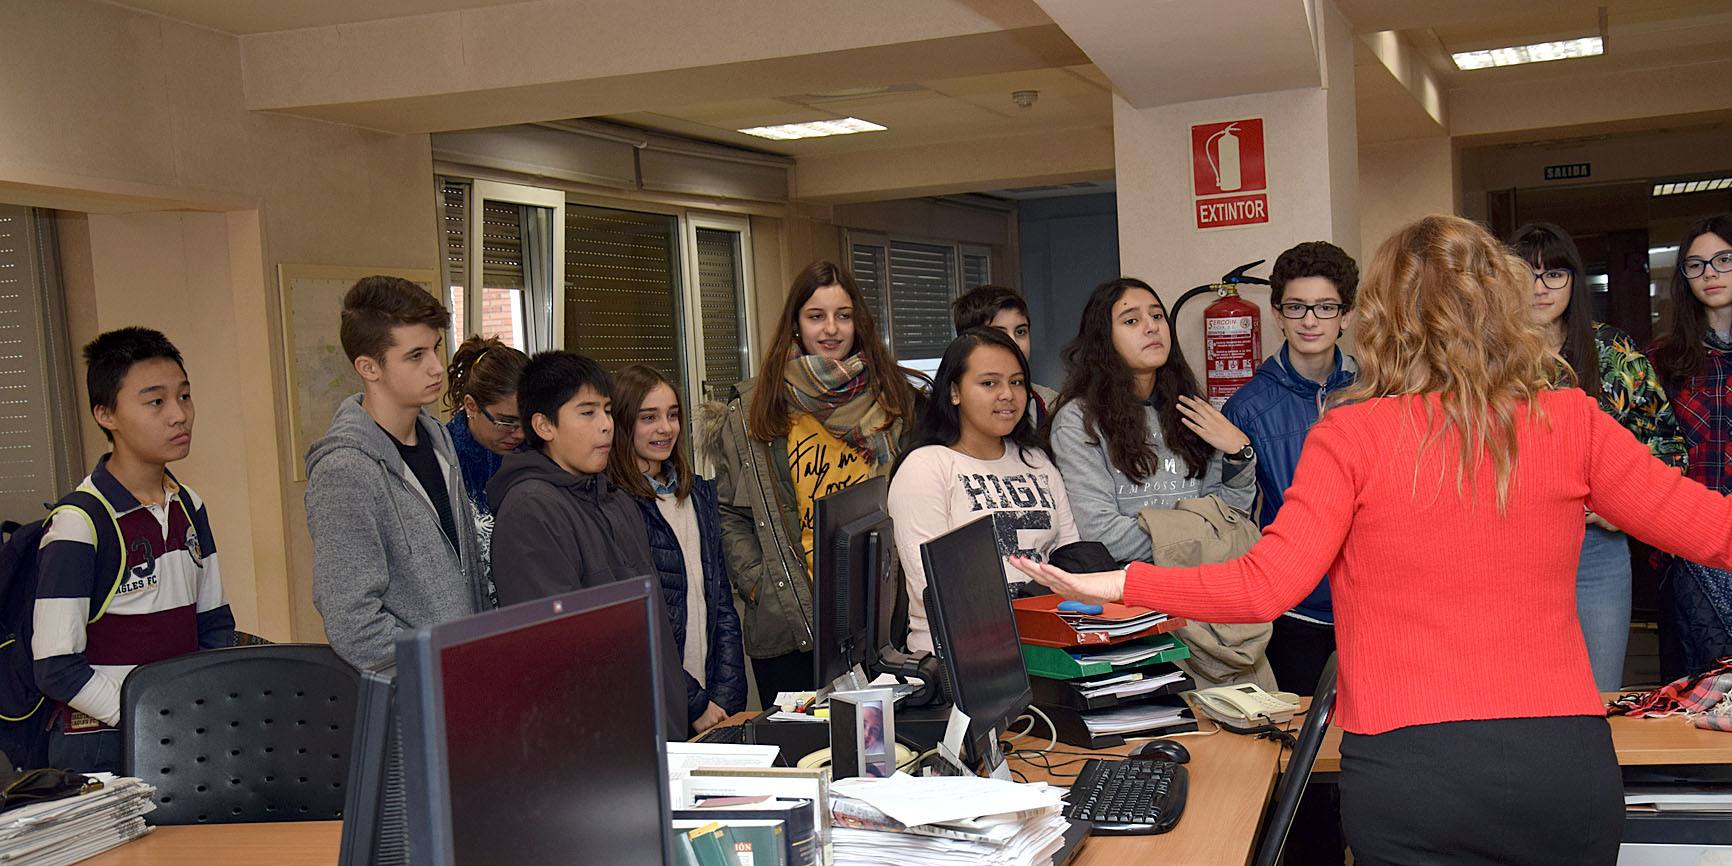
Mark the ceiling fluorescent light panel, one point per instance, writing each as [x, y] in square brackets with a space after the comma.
[1539, 52]
[813, 129]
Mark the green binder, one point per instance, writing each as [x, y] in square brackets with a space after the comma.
[1058, 664]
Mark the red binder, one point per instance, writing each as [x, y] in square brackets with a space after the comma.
[1038, 622]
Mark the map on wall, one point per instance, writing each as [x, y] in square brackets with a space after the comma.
[320, 375]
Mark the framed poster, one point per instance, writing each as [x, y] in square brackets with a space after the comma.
[320, 375]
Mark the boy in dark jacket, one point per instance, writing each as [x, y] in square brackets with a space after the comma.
[559, 523]
[1312, 289]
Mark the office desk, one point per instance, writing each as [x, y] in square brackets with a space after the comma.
[1638, 742]
[308, 843]
[1231, 780]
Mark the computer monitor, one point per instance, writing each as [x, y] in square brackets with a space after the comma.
[851, 537]
[375, 821]
[534, 733]
[975, 635]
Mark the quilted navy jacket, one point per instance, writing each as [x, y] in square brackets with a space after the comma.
[1276, 409]
[725, 668]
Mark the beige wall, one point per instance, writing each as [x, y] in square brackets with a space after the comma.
[128, 115]
[1399, 182]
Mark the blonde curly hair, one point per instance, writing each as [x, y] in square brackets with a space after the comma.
[1444, 310]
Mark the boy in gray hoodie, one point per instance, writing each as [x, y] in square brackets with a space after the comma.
[394, 544]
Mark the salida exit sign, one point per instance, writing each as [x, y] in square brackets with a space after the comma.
[1229, 178]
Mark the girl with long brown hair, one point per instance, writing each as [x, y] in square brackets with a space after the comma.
[827, 410]
[685, 535]
[1444, 498]
[1694, 357]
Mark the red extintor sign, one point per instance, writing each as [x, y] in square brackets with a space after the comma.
[1228, 176]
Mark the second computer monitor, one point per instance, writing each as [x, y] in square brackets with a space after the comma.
[532, 734]
[975, 630]
[851, 542]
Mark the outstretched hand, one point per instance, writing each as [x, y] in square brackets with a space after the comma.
[1095, 588]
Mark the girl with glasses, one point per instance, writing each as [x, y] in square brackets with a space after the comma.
[482, 393]
[1694, 358]
[1605, 363]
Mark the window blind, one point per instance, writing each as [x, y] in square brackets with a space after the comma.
[35, 462]
[867, 263]
[922, 285]
[976, 270]
[621, 288]
[722, 303]
[454, 248]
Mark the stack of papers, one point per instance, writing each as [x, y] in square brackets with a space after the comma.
[946, 820]
[1126, 685]
[1678, 798]
[1135, 718]
[1093, 624]
[67, 831]
[1124, 656]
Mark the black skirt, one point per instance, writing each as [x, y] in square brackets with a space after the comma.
[1503, 791]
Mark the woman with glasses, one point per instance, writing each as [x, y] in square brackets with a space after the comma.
[1605, 363]
[1444, 495]
[482, 393]
[1694, 358]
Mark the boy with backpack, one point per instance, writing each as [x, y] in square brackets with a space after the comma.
[126, 572]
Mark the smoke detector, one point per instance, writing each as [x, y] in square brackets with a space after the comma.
[1025, 98]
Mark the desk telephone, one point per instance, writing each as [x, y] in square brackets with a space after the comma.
[1245, 708]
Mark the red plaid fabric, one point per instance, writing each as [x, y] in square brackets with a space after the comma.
[1702, 696]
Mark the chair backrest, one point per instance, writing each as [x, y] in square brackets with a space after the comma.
[244, 734]
[1292, 785]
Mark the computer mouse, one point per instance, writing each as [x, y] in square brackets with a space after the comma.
[1163, 750]
[1073, 606]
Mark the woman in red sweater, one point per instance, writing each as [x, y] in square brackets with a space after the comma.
[1475, 734]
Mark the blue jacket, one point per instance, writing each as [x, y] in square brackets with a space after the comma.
[1276, 409]
[725, 669]
[478, 464]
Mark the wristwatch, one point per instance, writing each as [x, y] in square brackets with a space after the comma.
[1243, 455]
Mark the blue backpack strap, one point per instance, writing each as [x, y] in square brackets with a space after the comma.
[110, 552]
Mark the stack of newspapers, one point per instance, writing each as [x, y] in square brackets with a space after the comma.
[75, 828]
[907, 820]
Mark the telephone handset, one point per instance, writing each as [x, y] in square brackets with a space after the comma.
[1246, 707]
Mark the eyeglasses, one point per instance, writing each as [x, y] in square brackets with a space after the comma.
[1325, 310]
[1556, 278]
[501, 423]
[1694, 268]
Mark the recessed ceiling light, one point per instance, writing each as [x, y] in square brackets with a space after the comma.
[1537, 53]
[1680, 187]
[814, 129]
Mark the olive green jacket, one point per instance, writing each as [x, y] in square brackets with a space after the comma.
[760, 529]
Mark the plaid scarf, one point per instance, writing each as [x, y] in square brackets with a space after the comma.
[840, 395]
[1703, 697]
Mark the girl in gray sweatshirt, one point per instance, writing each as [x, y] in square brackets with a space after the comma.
[1131, 430]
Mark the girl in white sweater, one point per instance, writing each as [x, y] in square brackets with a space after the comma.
[975, 452]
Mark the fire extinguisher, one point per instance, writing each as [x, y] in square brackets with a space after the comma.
[1232, 334]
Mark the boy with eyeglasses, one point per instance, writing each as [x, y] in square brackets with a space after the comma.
[1312, 290]
[394, 541]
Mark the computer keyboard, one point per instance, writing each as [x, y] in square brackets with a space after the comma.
[729, 735]
[1131, 797]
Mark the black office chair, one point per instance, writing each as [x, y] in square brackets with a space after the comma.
[1292, 785]
[244, 734]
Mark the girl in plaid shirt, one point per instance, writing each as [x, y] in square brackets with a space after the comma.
[1694, 358]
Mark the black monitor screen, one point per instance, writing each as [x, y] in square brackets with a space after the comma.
[845, 585]
[551, 736]
[974, 627]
